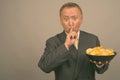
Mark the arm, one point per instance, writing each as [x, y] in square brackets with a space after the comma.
[54, 55]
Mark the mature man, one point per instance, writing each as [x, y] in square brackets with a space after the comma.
[65, 53]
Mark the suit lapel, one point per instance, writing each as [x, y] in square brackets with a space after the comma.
[81, 41]
[62, 37]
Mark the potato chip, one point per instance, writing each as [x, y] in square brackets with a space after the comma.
[99, 51]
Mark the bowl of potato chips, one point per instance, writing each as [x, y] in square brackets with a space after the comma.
[100, 54]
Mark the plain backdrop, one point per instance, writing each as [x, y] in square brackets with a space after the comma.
[25, 25]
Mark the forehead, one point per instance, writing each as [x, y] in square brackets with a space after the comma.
[70, 11]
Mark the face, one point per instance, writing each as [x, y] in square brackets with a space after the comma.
[71, 18]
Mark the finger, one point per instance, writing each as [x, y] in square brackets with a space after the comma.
[107, 62]
[75, 36]
[99, 62]
[70, 36]
[90, 60]
[71, 30]
[94, 62]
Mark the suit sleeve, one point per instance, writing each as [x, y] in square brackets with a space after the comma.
[54, 55]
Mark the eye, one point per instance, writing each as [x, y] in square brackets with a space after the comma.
[74, 18]
[66, 18]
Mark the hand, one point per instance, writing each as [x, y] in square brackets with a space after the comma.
[70, 39]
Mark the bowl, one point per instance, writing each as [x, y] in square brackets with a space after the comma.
[101, 58]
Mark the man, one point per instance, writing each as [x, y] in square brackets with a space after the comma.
[63, 56]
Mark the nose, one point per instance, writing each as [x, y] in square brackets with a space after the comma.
[70, 23]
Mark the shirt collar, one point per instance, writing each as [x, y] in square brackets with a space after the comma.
[78, 35]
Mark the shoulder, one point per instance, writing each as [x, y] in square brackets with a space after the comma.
[52, 38]
[89, 37]
[55, 38]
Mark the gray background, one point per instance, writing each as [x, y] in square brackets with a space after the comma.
[26, 24]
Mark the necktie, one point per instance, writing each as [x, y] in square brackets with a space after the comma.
[76, 44]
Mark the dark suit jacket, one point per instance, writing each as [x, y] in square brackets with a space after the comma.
[70, 64]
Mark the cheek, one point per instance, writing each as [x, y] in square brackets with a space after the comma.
[78, 23]
[64, 26]
[63, 23]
